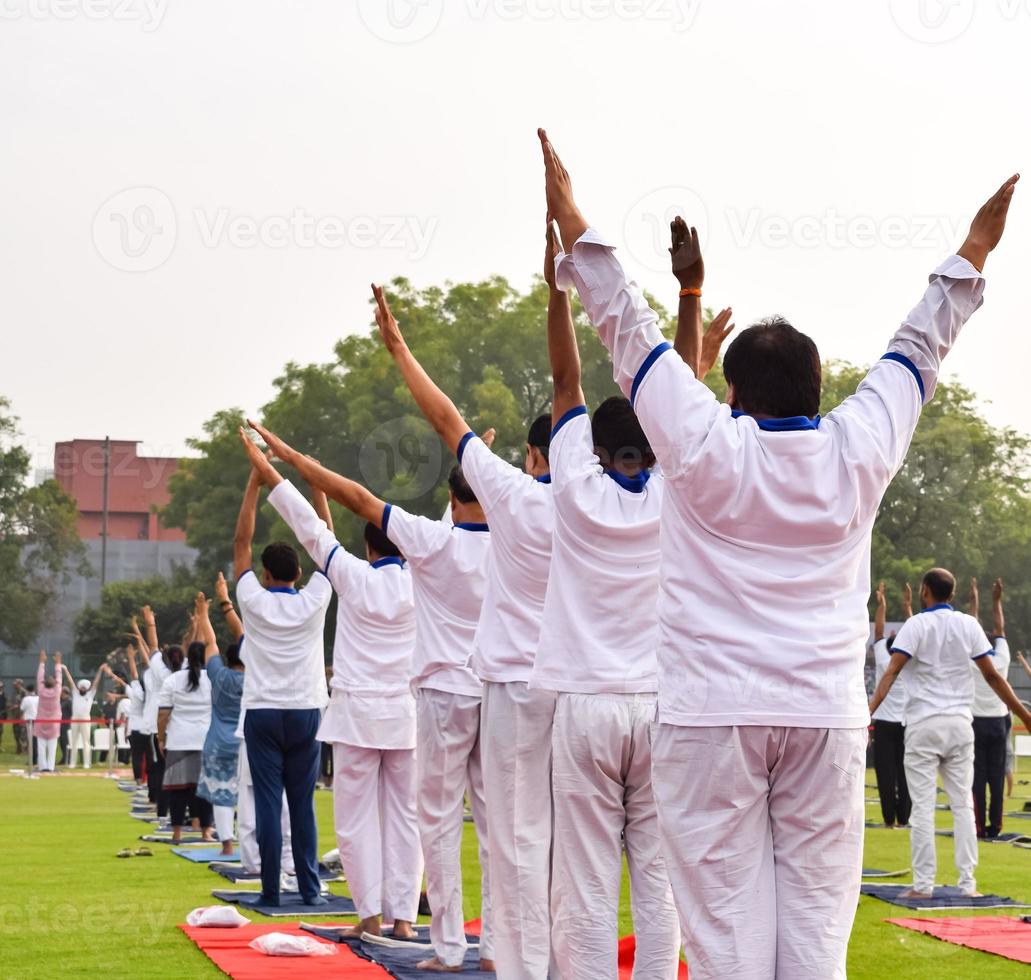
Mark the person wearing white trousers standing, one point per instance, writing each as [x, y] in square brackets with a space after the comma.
[370, 721]
[936, 649]
[83, 695]
[765, 576]
[448, 562]
[515, 722]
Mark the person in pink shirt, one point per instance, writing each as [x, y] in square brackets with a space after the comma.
[48, 725]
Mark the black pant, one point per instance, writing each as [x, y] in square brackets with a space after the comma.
[989, 773]
[138, 745]
[889, 750]
[180, 799]
[155, 776]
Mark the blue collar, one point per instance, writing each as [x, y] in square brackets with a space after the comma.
[937, 606]
[635, 484]
[467, 526]
[794, 423]
[282, 588]
[543, 479]
[390, 560]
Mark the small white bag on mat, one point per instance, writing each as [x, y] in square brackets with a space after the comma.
[217, 917]
[282, 944]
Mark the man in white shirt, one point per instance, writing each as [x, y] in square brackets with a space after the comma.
[889, 722]
[83, 695]
[991, 723]
[938, 647]
[515, 722]
[448, 565]
[29, 712]
[370, 722]
[758, 761]
[284, 693]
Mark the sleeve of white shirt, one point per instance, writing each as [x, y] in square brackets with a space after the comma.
[888, 402]
[980, 645]
[166, 699]
[907, 640]
[881, 656]
[676, 410]
[416, 537]
[335, 561]
[247, 588]
[1002, 655]
[491, 478]
[571, 454]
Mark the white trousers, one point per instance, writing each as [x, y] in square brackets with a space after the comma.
[515, 747]
[224, 822]
[377, 828]
[247, 824]
[47, 754]
[79, 738]
[601, 778]
[762, 829]
[941, 744]
[448, 758]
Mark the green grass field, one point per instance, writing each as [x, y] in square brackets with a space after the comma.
[69, 908]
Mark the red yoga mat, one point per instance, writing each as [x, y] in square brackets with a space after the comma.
[1003, 935]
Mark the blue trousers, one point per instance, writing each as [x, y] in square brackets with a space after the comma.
[284, 757]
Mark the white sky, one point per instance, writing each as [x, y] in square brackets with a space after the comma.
[827, 149]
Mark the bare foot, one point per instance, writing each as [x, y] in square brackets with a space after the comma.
[437, 966]
[487, 966]
[350, 932]
[403, 930]
[227, 849]
[913, 893]
[973, 894]
[371, 925]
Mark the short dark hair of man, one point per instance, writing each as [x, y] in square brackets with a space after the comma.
[941, 583]
[281, 562]
[618, 436]
[539, 435]
[379, 542]
[459, 486]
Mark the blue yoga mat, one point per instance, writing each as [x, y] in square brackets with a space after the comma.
[235, 872]
[944, 897]
[334, 935]
[167, 839]
[290, 903]
[204, 855]
[400, 963]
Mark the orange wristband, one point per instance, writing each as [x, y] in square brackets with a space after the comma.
[690, 292]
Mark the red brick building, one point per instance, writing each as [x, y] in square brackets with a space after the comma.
[137, 485]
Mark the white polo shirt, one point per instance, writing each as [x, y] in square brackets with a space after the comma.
[371, 704]
[135, 702]
[520, 513]
[941, 643]
[82, 704]
[154, 678]
[986, 703]
[449, 575]
[191, 711]
[893, 707]
[284, 646]
[766, 525]
[30, 707]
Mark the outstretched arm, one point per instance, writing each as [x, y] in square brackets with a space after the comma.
[998, 620]
[975, 600]
[880, 615]
[150, 628]
[226, 605]
[894, 668]
[346, 492]
[205, 631]
[907, 601]
[689, 269]
[562, 350]
[244, 536]
[320, 502]
[141, 646]
[439, 410]
[95, 686]
[1002, 688]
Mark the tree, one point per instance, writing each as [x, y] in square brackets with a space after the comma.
[39, 540]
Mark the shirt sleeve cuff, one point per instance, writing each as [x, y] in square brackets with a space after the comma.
[463, 442]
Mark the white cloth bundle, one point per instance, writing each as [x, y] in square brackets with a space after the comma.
[217, 917]
[281, 944]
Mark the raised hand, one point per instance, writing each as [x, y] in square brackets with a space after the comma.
[551, 249]
[488, 437]
[879, 596]
[148, 615]
[712, 340]
[988, 225]
[260, 463]
[57, 659]
[388, 328]
[278, 447]
[221, 588]
[907, 594]
[42, 656]
[997, 590]
[558, 188]
[686, 255]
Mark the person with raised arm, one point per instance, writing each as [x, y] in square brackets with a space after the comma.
[889, 723]
[83, 695]
[515, 722]
[220, 757]
[48, 724]
[767, 520]
[992, 722]
[159, 665]
[284, 693]
[448, 563]
[134, 698]
[370, 722]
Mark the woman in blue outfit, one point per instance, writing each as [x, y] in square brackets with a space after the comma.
[219, 766]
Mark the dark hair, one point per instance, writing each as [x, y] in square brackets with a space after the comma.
[30, 687]
[539, 435]
[775, 370]
[941, 583]
[618, 436]
[281, 562]
[379, 542]
[195, 663]
[173, 657]
[232, 656]
[459, 486]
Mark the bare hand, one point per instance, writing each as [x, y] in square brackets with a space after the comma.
[558, 188]
[686, 255]
[260, 465]
[712, 340]
[488, 437]
[988, 225]
[907, 594]
[277, 447]
[551, 249]
[997, 590]
[879, 596]
[388, 328]
[42, 656]
[148, 615]
[221, 588]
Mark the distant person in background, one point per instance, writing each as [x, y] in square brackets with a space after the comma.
[14, 712]
[83, 695]
[29, 712]
[220, 760]
[48, 725]
[3, 712]
[66, 716]
[134, 712]
[183, 718]
[161, 664]
[992, 723]
[889, 722]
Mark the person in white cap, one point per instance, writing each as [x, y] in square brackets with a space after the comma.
[83, 695]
